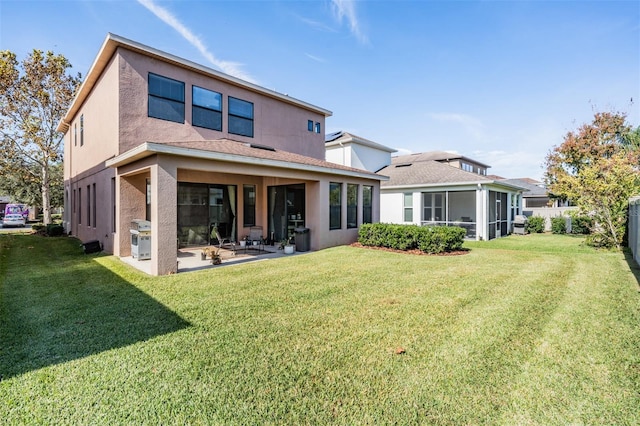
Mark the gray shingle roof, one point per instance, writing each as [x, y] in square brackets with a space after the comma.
[433, 156]
[427, 172]
[531, 190]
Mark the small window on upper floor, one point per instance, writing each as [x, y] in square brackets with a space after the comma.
[206, 109]
[240, 117]
[166, 98]
[310, 125]
[318, 128]
[82, 130]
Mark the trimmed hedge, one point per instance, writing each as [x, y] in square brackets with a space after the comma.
[559, 225]
[535, 224]
[429, 239]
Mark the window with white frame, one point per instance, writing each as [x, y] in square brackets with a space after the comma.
[408, 206]
[433, 206]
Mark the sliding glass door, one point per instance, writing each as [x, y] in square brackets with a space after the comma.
[286, 210]
[201, 206]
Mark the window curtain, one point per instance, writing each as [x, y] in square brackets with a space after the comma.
[232, 204]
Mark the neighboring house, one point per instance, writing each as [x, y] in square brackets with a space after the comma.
[427, 189]
[354, 151]
[432, 188]
[537, 202]
[154, 136]
[451, 159]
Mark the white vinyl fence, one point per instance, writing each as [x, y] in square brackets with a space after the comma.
[548, 213]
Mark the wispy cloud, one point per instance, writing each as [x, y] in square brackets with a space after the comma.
[315, 58]
[347, 9]
[471, 124]
[317, 25]
[231, 68]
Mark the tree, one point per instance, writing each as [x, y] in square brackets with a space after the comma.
[26, 188]
[34, 96]
[596, 167]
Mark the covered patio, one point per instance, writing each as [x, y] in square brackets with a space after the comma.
[186, 189]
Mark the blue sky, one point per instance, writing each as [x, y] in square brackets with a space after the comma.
[498, 81]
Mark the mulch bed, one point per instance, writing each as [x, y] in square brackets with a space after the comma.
[414, 251]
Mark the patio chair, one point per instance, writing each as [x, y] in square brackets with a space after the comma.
[255, 234]
[223, 242]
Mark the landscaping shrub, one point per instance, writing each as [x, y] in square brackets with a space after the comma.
[55, 230]
[535, 224]
[51, 230]
[429, 239]
[581, 224]
[559, 225]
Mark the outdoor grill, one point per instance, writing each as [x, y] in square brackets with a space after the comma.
[140, 239]
[520, 224]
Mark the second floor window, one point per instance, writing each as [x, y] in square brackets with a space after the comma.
[207, 109]
[166, 98]
[240, 117]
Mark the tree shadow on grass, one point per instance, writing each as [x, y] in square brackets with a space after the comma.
[70, 310]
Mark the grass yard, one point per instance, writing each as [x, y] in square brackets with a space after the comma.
[524, 330]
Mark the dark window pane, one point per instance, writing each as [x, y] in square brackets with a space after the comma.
[166, 98]
[335, 205]
[240, 126]
[207, 98]
[240, 108]
[249, 201]
[166, 109]
[166, 88]
[207, 118]
[367, 204]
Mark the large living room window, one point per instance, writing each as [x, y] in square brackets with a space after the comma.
[206, 109]
[240, 117]
[166, 98]
[335, 205]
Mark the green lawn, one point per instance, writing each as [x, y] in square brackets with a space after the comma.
[523, 330]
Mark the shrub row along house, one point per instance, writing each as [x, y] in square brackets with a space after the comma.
[154, 136]
[151, 136]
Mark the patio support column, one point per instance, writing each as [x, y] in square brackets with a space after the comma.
[482, 205]
[164, 221]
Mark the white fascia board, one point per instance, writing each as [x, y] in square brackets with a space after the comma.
[445, 184]
[149, 148]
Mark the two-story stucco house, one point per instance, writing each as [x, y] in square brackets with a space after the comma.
[153, 136]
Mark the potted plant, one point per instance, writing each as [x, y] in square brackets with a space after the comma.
[243, 241]
[288, 246]
[216, 259]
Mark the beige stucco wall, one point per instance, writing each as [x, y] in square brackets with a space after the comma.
[84, 161]
[276, 123]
